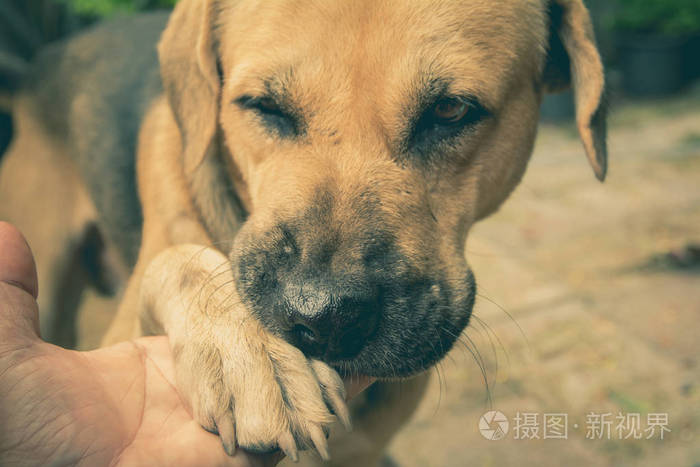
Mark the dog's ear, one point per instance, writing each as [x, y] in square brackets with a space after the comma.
[573, 60]
[189, 69]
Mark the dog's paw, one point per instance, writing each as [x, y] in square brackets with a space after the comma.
[251, 387]
[260, 393]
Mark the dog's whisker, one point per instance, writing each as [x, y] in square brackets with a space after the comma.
[494, 379]
[440, 377]
[213, 292]
[489, 330]
[478, 359]
[494, 351]
[482, 254]
[520, 329]
[211, 276]
[225, 301]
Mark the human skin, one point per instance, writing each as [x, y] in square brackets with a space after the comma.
[113, 406]
[116, 405]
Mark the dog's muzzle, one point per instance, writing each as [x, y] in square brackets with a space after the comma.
[344, 289]
[321, 291]
[328, 321]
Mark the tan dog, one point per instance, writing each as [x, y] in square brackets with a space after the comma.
[307, 180]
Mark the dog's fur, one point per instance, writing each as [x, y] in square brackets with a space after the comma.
[333, 191]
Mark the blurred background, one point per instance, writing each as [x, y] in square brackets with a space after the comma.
[589, 294]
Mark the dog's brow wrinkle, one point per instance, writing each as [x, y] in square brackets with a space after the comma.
[279, 87]
[428, 88]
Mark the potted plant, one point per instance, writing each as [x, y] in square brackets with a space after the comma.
[652, 38]
[105, 8]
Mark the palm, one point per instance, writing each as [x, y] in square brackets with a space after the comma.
[117, 403]
[112, 406]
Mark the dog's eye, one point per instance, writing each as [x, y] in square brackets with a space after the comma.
[450, 110]
[272, 114]
[266, 104]
[446, 118]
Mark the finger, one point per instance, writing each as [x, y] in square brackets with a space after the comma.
[19, 314]
[16, 260]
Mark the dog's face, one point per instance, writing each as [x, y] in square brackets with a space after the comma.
[364, 139]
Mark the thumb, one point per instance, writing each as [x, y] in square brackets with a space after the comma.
[18, 286]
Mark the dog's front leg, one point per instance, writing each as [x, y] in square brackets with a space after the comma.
[251, 387]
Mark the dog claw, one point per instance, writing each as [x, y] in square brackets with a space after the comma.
[333, 392]
[340, 409]
[320, 443]
[287, 444]
[227, 433]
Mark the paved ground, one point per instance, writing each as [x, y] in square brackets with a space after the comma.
[585, 316]
[581, 316]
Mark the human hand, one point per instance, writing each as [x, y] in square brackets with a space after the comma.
[112, 406]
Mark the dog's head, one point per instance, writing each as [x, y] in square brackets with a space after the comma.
[363, 139]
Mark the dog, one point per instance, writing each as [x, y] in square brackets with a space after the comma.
[288, 187]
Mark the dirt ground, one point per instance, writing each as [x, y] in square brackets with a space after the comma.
[578, 313]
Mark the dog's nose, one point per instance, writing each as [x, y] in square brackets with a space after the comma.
[333, 325]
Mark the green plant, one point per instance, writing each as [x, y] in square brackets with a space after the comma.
[102, 8]
[670, 17]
